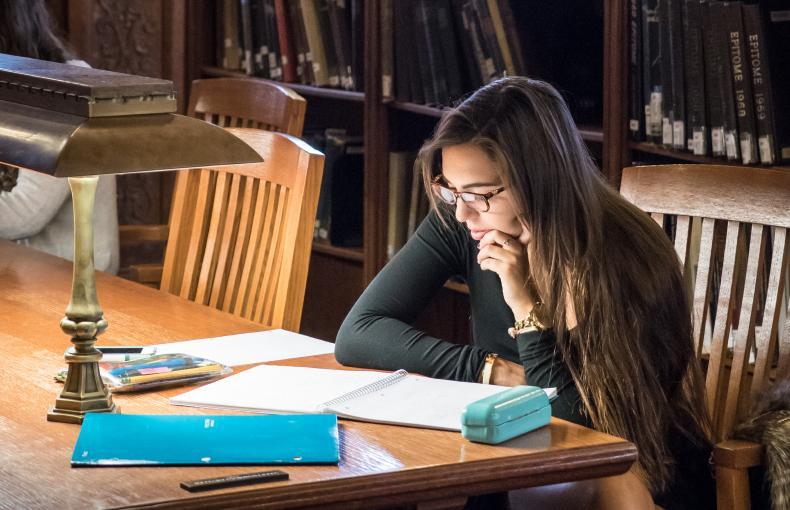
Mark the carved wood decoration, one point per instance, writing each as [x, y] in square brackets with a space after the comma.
[144, 37]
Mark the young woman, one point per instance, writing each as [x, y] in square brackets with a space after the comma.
[570, 286]
[36, 209]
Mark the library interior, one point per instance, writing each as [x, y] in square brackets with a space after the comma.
[396, 254]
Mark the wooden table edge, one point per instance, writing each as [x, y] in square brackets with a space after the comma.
[541, 468]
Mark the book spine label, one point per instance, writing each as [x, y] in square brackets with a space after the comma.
[742, 86]
[761, 95]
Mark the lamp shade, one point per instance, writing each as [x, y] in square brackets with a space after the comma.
[71, 121]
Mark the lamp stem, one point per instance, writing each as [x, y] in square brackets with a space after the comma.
[84, 391]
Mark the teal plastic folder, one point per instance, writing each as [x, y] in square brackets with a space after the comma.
[146, 439]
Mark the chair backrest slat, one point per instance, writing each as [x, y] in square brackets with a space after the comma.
[227, 243]
[213, 237]
[730, 235]
[772, 335]
[714, 380]
[744, 335]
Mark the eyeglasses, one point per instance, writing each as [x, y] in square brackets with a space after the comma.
[477, 201]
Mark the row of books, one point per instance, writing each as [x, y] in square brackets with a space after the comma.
[339, 217]
[712, 77]
[408, 204]
[314, 42]
[436, 50]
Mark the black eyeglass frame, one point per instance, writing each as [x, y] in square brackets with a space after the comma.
[436, 185]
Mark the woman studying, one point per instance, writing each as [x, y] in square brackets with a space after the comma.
[570, 286]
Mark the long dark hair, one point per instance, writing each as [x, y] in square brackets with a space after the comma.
[26, 31]
[631, 355]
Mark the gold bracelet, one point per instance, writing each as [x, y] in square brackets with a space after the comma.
[526, 325]
[488, 367]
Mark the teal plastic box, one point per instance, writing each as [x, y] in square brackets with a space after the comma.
[505, 415]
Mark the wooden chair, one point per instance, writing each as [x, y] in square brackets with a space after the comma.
[227, 102]
[240, 237]
[739, 295]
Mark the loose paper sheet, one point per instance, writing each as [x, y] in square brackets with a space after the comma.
[250, 348]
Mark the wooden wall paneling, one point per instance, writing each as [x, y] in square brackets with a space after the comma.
[144, 37]
[333, 285]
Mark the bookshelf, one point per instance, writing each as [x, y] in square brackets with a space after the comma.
[338, 275]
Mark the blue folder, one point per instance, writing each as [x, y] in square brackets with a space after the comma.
[167, 439]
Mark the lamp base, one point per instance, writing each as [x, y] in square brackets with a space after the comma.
[84, 391]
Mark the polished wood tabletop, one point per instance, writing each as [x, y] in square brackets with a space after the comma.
[380, 465]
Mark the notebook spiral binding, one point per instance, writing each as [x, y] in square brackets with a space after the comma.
[366, 390]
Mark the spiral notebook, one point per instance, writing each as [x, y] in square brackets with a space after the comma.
[397, 398]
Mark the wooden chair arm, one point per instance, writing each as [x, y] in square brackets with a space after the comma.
[737, 454]
[731, 460]
[135, 234]
[149, 274]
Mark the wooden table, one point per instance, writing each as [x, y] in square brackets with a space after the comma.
[380, 465]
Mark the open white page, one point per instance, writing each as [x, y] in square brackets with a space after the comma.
[418, 402]
[250, 348]
[269, 388]
[398, 398]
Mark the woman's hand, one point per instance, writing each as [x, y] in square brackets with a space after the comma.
[507, 257]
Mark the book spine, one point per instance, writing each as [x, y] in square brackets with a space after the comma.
[653, 96]
[285, 37]
[501, 38]
[636, 112]
[345, 42]
[449, 50]
[423, 58]
[438, 66]
[742, 85]
[326, 42]
[473, 70]
[731, 146]
[259, 39]
[489, 38]
[761, 83]
[665, 55]
[713, 79]
[315, 54]
[232, 54]
[273, 41]
[401, 40]
[304, 73]
[343, 66]
[357, 43]
[696, 125]
[387, 47]
[246, 30]
[678, 110]
[486, 64]
[513, 37]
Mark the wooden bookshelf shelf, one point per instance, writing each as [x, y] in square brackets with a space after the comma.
[352, 254]
[651, 148]
[459, 287]
[306, 90]
[591, 133]
[422, 109]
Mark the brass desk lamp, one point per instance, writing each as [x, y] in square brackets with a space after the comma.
[75, 122]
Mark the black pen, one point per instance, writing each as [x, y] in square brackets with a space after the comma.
[209, 484]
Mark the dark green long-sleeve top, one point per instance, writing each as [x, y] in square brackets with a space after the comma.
[377, 334]
[377, 331]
